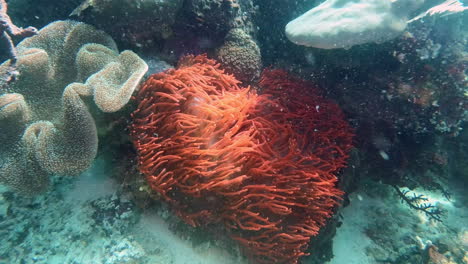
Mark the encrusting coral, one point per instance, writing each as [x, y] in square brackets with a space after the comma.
[262, 165]
[45, 125]
[240, 55]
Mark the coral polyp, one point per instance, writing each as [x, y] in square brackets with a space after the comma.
[264, 166]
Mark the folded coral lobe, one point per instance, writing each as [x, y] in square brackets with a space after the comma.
[262, 165]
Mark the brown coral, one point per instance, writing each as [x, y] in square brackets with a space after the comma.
[240, 55]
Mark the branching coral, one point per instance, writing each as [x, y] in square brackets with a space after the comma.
[45, 124]
[263, 165]
[420, 203]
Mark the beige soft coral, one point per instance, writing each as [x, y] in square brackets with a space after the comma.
[45, 119]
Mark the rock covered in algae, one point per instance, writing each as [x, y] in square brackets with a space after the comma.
[45, 124]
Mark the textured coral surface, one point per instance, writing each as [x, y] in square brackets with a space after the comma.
[262, 165]
[240, 55]
[46, 125]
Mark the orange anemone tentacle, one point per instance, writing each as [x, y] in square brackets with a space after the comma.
[263, 165]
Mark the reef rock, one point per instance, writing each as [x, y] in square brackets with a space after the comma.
[135, 22]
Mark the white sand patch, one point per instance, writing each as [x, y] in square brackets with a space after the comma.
[92, 184]
[378, 227]
[182, 250]
[350, 241]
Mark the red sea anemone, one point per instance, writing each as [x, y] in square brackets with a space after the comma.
[262, 165]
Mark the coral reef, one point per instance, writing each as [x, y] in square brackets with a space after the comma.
[240, 55]
[137, 23]
[411, 104]
[223, 172]
[46, 125]
[263, 165]
[213, 15]
[407, 97]
[217, 17]
[202, 25]
[67, 227]
[439, 54]
[90, 220]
